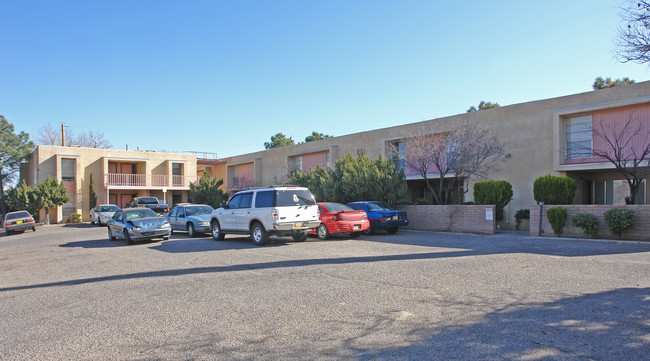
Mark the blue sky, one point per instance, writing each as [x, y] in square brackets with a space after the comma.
[224, 76]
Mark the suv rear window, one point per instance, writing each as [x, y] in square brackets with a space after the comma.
[294, 197]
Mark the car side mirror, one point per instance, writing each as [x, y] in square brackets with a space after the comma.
[224, 205]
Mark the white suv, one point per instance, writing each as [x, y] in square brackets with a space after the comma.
[278, 210]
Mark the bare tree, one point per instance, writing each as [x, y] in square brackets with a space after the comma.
[91, 140]
[49, 136]
[627, 146]
[451, 154]
[633, 42]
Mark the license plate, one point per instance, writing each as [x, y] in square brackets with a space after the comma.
[19, 222]
[394, 218]
[357, 226]
[298, 225]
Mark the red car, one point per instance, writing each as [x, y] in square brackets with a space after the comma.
[339, 218]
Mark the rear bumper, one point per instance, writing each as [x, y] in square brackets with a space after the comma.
[295, 226]
[19, 227]
[390, 223]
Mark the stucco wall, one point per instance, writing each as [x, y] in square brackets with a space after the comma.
[46, 159]
[640, 230]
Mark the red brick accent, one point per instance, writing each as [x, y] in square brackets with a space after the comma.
[455, 218]
[640, 230]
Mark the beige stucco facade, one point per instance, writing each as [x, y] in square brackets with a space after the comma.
[118, 175]
[533, 134]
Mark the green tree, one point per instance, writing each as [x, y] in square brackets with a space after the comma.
[23, 197]
[355, 179]
[483, 105]
[208, 191]
[600, 83]
[494, 192]
[14, 148]
[554, 190]
[51, 193]
[316, 136]
[92, 197]
[277, 141]
[633, 41]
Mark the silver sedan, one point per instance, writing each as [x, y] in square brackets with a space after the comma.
[138, 224]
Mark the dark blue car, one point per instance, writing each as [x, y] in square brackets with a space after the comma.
[381, 216]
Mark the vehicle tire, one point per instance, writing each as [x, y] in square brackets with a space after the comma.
[217, 235]
[110, 234]
[370, 230]
[322, 232]
[34, 229]
[259, 235]
[190, 230]
[92, 221]
[300, 237]
[127, 238]
[355, 234]
[392, 230]
[165, 238]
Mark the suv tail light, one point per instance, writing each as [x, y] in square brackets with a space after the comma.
[274, 214]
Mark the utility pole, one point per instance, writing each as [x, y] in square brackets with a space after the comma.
[63, 134]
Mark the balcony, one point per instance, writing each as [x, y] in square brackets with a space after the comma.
[148, 181]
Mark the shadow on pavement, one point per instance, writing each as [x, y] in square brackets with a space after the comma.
[593, 327]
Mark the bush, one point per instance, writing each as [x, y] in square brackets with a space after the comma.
[557, 216]
[521, 215]
[74, 218]
[554, 190]
[619, 221]
[588, 223]
[421, 201]
[498, 193]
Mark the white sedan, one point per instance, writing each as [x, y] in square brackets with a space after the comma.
[102, 213]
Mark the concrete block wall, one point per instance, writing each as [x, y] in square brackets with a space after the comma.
[453, 218]
[640, 231]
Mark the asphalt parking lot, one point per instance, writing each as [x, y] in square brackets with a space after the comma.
[67, 292]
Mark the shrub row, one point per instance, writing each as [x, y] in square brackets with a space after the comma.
[618, 220]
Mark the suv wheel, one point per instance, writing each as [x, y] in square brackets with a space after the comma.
[259, 234]
[216, 231]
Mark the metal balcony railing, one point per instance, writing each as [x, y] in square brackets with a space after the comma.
[148, 180]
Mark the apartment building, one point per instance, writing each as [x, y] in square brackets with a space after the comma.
[551, 136]
[117, 176]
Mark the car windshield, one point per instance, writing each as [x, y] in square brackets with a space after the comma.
[139, 213]
[379, 206]
[195, 211]
[147, 201]
[294, 197]
[109, 208]
[16, 215]
[336, 207]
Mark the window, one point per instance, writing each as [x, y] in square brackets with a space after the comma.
[246, 200]
[615, 191]
[297, 163]
[294, 197]
[235, 176]
[399, 156]
[67, 170]
[578, 137]
[264, 199]
[69, 208]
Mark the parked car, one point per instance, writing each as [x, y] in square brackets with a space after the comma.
[152, 203]
[138, 224]
[193, 218]
[18, 222]
[339, 218]
[381, 216]
[278, 210]
[102, 213]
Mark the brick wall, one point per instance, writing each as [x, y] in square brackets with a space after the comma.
[456, 218]
[640, 230]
